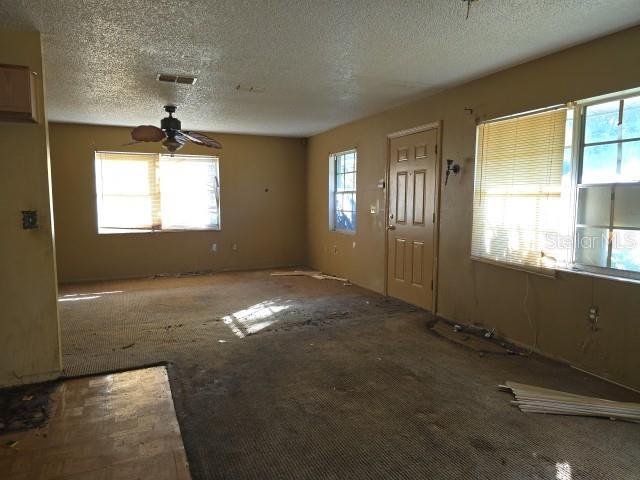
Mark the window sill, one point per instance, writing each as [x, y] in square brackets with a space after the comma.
[343, 232]
[603, 276]
[125, 231]
[552, 272]
[543, 272]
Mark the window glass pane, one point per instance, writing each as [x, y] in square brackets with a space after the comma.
[627, 206]
[630, 167]
[625, 250]
[345, 220]
[340, 164]
[631, 118]
[601, 123]
[349, 162]
[599, 163]
[350, 181]
[348, 201]
[340, 182]
[594, 206]
[591, 246]
[188, 192]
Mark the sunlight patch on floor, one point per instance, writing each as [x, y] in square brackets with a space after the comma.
[563, 471]
[254, 318]
[75, 297]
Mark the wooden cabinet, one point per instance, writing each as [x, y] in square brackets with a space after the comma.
[17, 94]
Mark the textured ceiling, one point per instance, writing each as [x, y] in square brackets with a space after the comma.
[320, 63]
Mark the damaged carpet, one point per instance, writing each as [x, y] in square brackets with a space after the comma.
[298, 378]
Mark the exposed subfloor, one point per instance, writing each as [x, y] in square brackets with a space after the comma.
[298, 378]
[107, 427]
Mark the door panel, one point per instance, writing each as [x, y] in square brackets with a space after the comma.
[419, 179]
[417, 265]
[412, 202]
[400, 255]
[401, 202]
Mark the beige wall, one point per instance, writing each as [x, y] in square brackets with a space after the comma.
[29, 333]
[472, 292]
[267, 227]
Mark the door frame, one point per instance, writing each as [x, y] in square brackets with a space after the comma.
[436, 227]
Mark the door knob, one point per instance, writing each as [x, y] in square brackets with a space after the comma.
[391, 227]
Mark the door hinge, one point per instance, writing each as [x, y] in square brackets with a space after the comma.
[431, 284]
[436, 148]
[434, 218]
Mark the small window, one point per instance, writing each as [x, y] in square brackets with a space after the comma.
[140, 192]
[342, 187]
[608, 204]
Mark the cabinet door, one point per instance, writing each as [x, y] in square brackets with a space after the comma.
[17, 95]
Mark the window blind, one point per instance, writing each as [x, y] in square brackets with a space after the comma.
[189, 192]
[151, 192]
[127, 193]
[518, 210]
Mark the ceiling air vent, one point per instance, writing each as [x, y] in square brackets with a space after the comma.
[244, 87]
[183, 79]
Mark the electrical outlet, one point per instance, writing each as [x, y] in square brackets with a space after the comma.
[29, 219]
[214, 247]
[234, 247]
[335, 249]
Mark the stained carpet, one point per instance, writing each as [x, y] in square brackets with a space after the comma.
[297, 378]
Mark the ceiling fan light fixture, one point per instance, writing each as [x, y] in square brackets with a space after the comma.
[171, 133]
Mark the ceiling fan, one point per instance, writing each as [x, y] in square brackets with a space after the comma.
[171, 134]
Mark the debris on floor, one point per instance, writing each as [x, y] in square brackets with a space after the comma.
[532, 399]
[23, 408]
[474, 337]
[313, 274]
[128, 346]
[10, 444]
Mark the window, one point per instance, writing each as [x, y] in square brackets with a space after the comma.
[518, 188]
[608, 210]
[140, 192]
[551, 193]
[342, 185]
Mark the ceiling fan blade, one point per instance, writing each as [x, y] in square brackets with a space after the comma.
[147, 133]
[202, 139]
[181, 137]
[135, 142]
